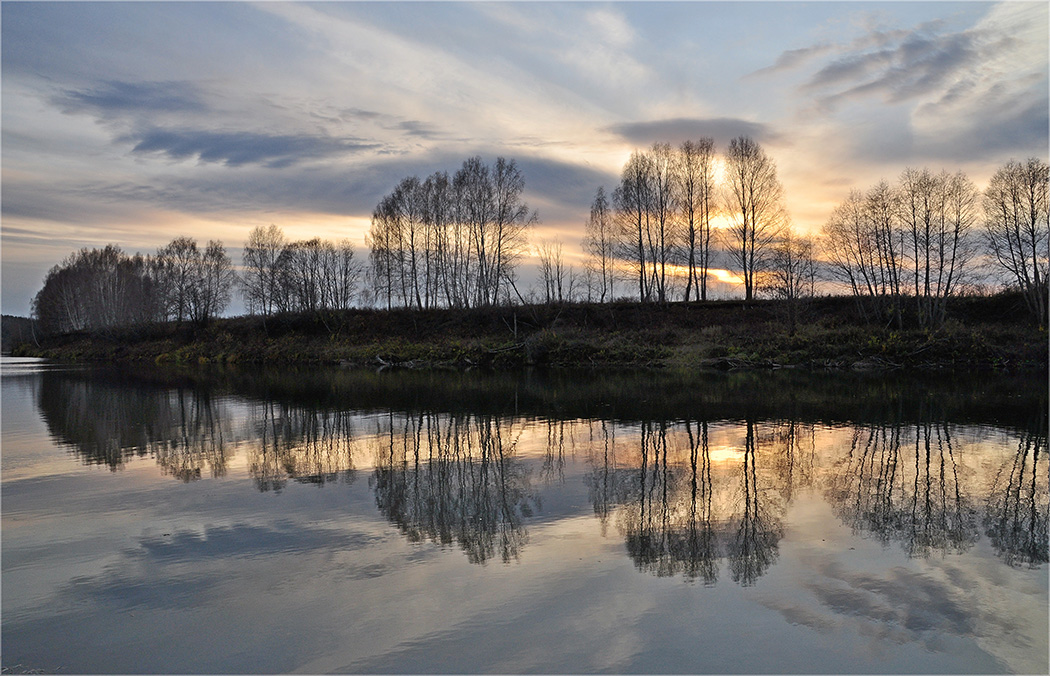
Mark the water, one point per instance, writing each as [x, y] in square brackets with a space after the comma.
[257, 521]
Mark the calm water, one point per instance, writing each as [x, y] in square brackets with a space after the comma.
[334, 521]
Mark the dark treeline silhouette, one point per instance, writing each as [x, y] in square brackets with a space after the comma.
[104, 289]
[451, 241]
[676, 215]
[297, 276]
[922, 239]
[453, 480]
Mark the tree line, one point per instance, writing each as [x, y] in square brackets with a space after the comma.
[104, 289]
[452, 241]
[676, 214]
[923, 238]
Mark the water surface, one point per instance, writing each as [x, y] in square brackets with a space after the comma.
[242, 521]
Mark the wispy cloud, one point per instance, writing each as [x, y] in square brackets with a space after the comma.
[116, 97]
[677, 130]
[234, 149]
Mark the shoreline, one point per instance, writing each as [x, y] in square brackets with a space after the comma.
[981, 332]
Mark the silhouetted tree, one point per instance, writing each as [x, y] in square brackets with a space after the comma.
[792, 273]
[754, 205]
[260, 280]
[696, 188]
[1017, 229]
[455, 242]
[600, 245]
[936, 215]
[97, 290]
[558, 278]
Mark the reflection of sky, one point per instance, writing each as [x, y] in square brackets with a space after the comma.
[136, 122]
[105, 569]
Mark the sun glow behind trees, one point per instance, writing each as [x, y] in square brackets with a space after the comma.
[680, 219]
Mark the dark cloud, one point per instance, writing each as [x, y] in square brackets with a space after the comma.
[916, 65]
[1021, 128]
[418, 129]
[677, 130]
[114, 97]
[239, 148]
[793, 58]
[321, 188]
[849, 68]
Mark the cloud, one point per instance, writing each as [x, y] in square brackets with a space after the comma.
[793, 58]
[677, 130]
[133, 97]
[238, 148]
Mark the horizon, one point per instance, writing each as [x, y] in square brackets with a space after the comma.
[135, 123]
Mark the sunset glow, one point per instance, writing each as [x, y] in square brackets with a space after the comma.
[134, 123]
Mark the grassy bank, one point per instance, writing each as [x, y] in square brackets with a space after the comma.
[987, 332]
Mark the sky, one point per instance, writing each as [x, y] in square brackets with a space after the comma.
[134, 123]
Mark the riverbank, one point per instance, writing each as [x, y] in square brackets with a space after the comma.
[981, 332]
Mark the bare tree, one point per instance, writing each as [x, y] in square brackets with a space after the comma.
[260, 284]
[559, 279]
[663, 234]
[696, 191]
[633, 200]
[1017, 229]
[792, 273]
[754, 203]
[600, 245]
[456, 242]
[96, 290]
[936, 213]
[179, 269]
[215, 279]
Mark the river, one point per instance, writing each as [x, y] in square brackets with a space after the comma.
[325, 520]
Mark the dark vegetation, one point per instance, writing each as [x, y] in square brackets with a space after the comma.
[14, 331]
[987, 332]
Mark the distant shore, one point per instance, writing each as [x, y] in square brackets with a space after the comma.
[980, 332]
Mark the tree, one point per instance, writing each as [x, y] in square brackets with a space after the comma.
[178, 267]
[600, 245]
[455, 241]
[754, 203]
[260, 284]
[792, 273]
[559, 280]
[215, 279]
[936, 213]
[1017, 229]
[633, 200]
[96, 290]
[696, 190]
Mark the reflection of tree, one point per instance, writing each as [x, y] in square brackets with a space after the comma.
[198, 439]
[454, 479]
[189, 432]
[110, 420]
[1018, 510]
[678, 516]
[553, 468]
[754, 546]
[915, 499]
[301, 444]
